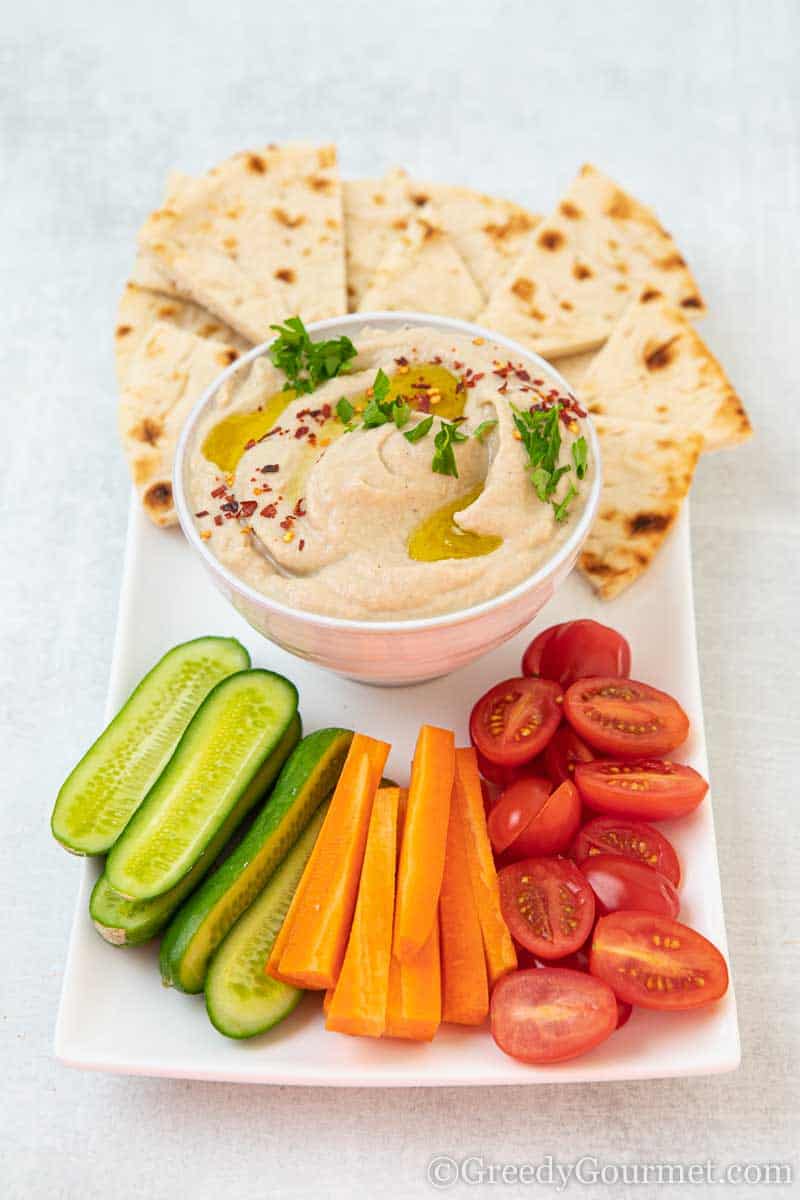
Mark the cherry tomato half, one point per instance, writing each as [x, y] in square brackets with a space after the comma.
[514, 720]
[547, 905]
[551, 828]
[652, 789]
[514, 811]
[579, 961]
[620, 883]
[583, 648]
[503, 777]
[551, 1014]
[630, 839]
[532, 658]
[626, 718]
[656, 962]
[562, 754]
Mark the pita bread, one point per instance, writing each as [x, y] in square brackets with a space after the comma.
[140, 309]
[647, 472]
[587, 261]
[488, 233]
[376, 213]
[145, 272]
[655, 367]
[168, 372]
[574, 367]
[257, 239]
[422, 270]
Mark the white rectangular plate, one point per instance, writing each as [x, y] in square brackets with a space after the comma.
[116, 1016]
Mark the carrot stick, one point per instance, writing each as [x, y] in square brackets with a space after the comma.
[310, 947]
[419, 877]
[468, 801]
[358, 1006]
[465, 994]
[413, 1008]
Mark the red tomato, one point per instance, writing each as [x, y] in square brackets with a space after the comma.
[551, 829]
[652, 789]
[563, 752]
[515, 809]
[631, 839]
[584, 648]
[503, 777]
[624, 717]
[547, 905]
[657, 962]
[532, 658]
[579, 961]
[551, 1014]
[621, 883]
[491, 794]
[515, 720]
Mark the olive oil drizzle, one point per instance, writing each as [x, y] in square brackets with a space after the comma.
[439, 537]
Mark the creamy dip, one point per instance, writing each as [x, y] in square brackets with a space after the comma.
[354, 522]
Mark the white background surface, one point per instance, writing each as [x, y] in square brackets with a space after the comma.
[695, 107]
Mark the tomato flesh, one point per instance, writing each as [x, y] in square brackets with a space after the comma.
[563, 753]
[515, 809]
[547, 904]
[551, 828]
[630, 839]
[579, 961]
[514, 720]
[652, 789]
[624, 717]
[621, 883]
[551, 1014]
[579, 649]
[656, 962]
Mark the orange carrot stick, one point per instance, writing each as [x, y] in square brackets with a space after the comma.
[468, 801]
[465, 994]
[419, 878]
[414, 1004]
[358, 1006]
[314, 936]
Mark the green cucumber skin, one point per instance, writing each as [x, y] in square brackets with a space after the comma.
[192, 755]
[245, 950]
[201, 924]
[93, 843]
[124, 922]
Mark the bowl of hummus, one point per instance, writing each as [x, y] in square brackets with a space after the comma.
[388, 494]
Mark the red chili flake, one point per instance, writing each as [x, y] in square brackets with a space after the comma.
[460, 386]
[231, 507]
[269, 510]
[219, 491]
[326, 411]
[312, 438]
[249, 445]
[304, 412]
[538, 383]
[522, 374]
[217, 520]
[298, 509]
[301, 543]
[478, 376]
[423, 404]
[503, 388]
[301, 432]
[247, 508]
[204, 513]
[269, 469]
[457, 366]
[402, 361]
[287, 522]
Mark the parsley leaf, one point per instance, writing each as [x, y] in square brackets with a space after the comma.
[484, 428]
[401, 413]
[419, 431]
[380, 410]
[580, 456]
[307, 364]
[375, 414]
[344, 410]
[380, 388]
[444, 459]
[562, 510]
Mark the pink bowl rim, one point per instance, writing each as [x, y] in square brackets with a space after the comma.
[457, 617]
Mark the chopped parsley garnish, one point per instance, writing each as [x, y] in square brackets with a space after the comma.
[344, 410]
[307, 364]
[444, 459]
[540, 432]
[484, 428]
[380, 410]
[419, 431]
